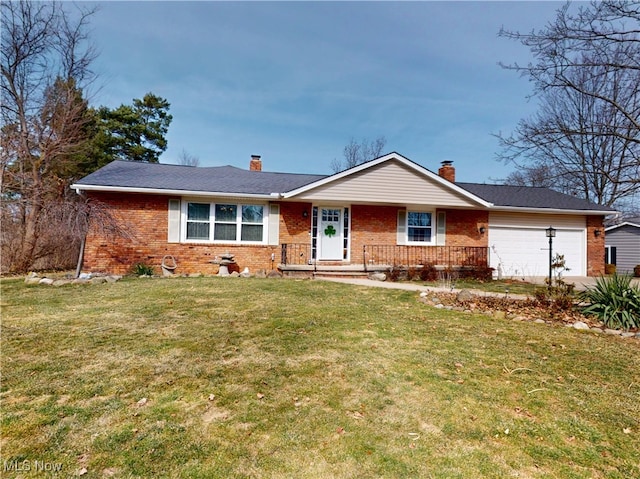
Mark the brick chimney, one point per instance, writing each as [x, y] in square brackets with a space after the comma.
[256, 163]
[447, 171]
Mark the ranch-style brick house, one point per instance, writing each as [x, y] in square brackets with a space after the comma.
[386, 212]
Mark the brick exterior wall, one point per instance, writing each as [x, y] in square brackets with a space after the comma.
[294, 226]
[372, 225]
[145, 218]
[595, 246]
[463, 227]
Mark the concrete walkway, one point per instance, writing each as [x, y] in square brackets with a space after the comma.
[581, 283]
[413, 286]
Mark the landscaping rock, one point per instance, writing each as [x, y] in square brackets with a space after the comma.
[98, 280]
[627, 334]
[464, 295]
[261, 273]
[113, 278]
[32, 278]
[516, 308]
[274, 274]
[61, 282]
[378, 276]
[245, 273]
[47, 281]
[580, 325]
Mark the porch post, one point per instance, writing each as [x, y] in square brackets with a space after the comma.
[364, 257]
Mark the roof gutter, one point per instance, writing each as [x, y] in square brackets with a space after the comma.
[552, 210]
[160, 191]
[626, 223]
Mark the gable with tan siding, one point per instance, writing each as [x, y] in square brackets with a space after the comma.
[390, 182]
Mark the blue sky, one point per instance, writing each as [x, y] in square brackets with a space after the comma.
[295, 81]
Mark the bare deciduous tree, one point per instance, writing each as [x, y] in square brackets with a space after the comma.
[187, 159]
[585, 138]
[45, 62]
[355, 153]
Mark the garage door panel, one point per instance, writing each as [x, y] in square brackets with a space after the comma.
[524, 252]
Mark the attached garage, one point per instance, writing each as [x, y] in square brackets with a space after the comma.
[519, 247]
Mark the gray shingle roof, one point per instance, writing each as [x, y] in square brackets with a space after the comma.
[530, 197]
[218, 179]
[232, 180]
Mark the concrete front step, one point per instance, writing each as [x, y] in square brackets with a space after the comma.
[355, 271]
[341, 274]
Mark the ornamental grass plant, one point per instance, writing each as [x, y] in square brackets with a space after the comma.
[614, 301]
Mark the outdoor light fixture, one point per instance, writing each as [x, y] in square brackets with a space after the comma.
[597, 233]
[482, 229]
[305, 214]
[551, 233]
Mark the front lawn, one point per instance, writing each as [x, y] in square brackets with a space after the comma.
[234, 378]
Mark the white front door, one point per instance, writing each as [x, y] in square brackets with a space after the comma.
[330, 234]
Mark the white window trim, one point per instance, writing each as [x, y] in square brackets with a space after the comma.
[347, 230]
[432, 237]
[183, 222]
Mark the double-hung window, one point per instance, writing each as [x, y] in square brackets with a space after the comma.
[419, 227]
[225, 222]
[252, 223]
[198, 221]
[226, 218]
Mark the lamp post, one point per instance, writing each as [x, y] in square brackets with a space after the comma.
[551, 233]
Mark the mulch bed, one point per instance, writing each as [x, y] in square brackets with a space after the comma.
[524, 309]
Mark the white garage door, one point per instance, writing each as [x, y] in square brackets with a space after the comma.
[524, 251]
